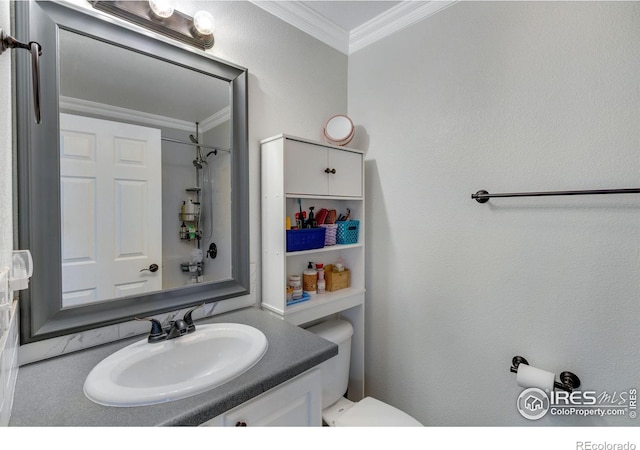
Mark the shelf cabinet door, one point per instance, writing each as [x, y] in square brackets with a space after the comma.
[347, 180]
[305, 166]
[316, 170]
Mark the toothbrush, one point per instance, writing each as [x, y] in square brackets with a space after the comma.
[301, 214]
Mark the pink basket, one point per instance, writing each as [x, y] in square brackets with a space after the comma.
[331, 234]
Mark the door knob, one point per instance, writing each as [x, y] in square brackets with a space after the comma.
[151, 268]
[327, 170]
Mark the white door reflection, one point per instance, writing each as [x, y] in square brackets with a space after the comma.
[110, 175]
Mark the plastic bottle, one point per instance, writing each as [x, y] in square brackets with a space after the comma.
[296, 284]
[310, 279]
[321, 283]
[311, 222]
[189, 210]
[184, 234]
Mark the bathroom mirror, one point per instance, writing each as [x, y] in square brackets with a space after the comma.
[133, 191]
[338, 130]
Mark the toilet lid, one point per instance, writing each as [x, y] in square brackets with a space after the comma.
[370, 412]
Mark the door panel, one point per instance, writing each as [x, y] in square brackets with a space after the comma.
[78, 199]
[111, 222]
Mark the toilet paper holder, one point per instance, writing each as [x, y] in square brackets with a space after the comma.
[568, 380]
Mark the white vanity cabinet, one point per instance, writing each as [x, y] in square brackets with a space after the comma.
[321, 176]
[295, 403]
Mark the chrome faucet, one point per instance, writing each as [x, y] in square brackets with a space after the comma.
[175, 329]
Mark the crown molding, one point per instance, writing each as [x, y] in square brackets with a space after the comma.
[78, 105]
[404, 14]
[306, 19]
[222, 116]
[395, 19]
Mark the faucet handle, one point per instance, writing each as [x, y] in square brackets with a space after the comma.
[189, 321]
[157, 333]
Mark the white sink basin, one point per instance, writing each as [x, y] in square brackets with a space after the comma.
[146, 374]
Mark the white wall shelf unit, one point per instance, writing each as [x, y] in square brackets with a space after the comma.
[323, 176]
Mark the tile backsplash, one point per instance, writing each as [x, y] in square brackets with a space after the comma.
[8, 365]
[57, 346]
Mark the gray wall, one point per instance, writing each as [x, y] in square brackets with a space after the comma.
[507, 97]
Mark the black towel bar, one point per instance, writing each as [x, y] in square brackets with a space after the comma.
[484, 196]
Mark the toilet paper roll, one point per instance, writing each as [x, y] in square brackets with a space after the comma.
[528, 376]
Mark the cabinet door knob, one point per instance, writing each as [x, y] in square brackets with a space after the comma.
[241, 424]
[327, 170]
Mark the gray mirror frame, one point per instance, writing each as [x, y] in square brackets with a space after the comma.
[38, 168]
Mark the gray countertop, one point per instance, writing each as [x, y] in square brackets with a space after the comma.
[49, 393]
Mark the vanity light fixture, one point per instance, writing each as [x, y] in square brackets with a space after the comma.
[161, 8]
[203, 23]
[161, 17]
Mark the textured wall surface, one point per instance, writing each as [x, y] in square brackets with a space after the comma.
[507, 97]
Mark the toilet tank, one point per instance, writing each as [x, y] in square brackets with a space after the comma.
[335, 371]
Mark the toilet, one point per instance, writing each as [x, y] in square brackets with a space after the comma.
[337, 410]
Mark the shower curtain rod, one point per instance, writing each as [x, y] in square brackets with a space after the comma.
[484, 196]
[193, 144]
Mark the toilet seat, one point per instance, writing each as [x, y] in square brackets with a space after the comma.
[370, 412]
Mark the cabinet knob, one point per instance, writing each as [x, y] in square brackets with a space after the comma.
[241, 424]
[327, 170]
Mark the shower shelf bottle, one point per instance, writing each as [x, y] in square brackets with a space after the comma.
[189, 211]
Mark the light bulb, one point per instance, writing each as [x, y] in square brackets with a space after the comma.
[203, 23]
[161, 8]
